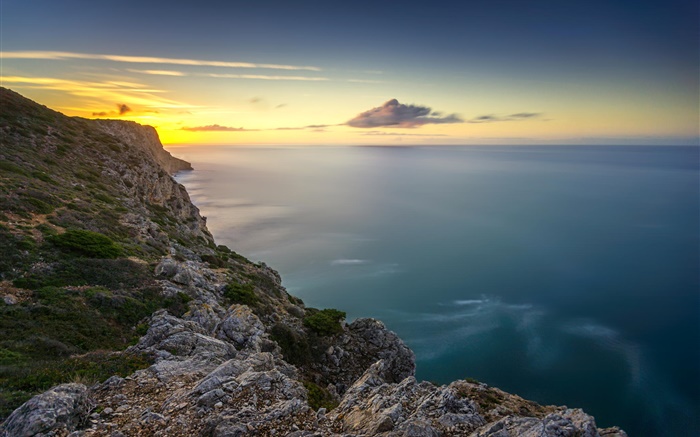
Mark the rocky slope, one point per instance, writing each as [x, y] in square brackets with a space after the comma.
[211, 344]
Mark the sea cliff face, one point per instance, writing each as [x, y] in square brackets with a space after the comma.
[206, 342]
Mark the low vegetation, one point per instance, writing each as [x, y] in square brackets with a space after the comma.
[76, 275]
[318, 397]
[87, 243]
[295, 346]
[324, 322]
[19, 383]
[241, 293]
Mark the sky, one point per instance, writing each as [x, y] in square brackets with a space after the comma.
[357, 72]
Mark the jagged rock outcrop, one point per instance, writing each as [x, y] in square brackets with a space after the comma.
[144, 137]
[361, 345]
[238, 359]
[59, 410]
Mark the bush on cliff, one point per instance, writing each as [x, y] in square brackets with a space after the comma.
[241, 293]
[87, 243]
[318, 397]
[324, 322]
[295, 347]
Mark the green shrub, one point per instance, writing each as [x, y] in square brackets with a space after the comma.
[43, 177]
[324, 322]
[8, 166]
[8, 357]
[87, 243]
[104, 197]
[214, 261]
[241, 293]
[295, 347]
[318, 397]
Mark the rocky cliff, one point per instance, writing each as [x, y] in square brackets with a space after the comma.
[123, 315]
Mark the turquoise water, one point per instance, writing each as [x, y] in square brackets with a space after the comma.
[568, 275]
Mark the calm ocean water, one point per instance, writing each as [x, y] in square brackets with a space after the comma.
[568, 275]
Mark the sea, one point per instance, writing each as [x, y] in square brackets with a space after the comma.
[568, 275]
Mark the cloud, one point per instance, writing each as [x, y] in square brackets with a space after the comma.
[365, 81]
[311, 126]
[100, 92]
[158, 72]
[393, 134]
[281, 105]
[264, 77]
[395, 114]
[147, 60]
[227, 76]
[121, 110]
[511, 117]
[217, 128]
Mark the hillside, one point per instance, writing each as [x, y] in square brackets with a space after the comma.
[123, 317]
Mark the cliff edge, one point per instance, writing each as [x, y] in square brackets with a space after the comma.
[119, 315]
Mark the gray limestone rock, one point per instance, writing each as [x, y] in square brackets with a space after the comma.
[242, 328]
[61, 409]
[373, 404]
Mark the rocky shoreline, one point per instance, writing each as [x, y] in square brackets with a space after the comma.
[245, 357]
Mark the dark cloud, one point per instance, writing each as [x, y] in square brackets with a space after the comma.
[281, 105]
[511, 117]
[395, 114]
[217, 128]
[123, 109]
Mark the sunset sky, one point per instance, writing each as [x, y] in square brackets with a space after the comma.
[356, 72]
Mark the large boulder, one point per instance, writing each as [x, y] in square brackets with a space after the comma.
[62, 409]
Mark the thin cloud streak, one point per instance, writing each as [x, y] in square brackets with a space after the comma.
[135, 93]
[227, 76]
[159, 72]
[396, 134]
[217, 128]
[58, 56]
[264, 77]
[511, 117]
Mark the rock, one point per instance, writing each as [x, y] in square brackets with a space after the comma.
[61, 409]
[242, 328]
[183, 338]
[568, 423]
[373, 405]
[362, 343]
